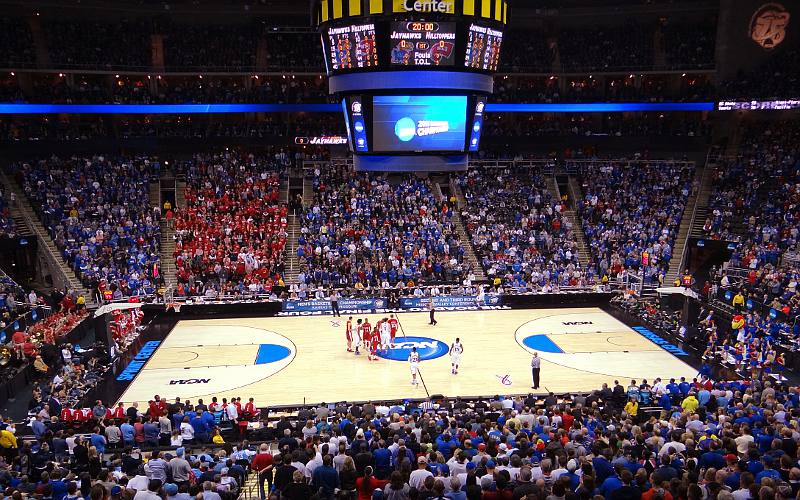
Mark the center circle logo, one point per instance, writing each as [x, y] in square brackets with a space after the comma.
[427, 348]
[405, 129]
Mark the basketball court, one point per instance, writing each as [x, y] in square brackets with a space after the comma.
[291, 360]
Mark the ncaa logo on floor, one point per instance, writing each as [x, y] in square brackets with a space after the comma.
[427, 348]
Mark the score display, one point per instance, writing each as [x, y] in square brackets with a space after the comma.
[420, 43]
[483, 48]
[352, 46]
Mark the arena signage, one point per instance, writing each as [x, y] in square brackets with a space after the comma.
[427, 348]
[425, 6]
[759, 105]
[325, 305]
[325, 140]
[447, 301]
[768, 25]
[652, 337]
[138, 361]
[576, 323]
[190, 381]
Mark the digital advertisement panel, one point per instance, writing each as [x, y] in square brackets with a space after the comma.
[419, 123]
[418, 43]
[477, 125]
[359, 125]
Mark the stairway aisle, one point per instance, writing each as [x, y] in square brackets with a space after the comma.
[292, 262]
[584, 256]
[469, 251]
[694, 216]
[167, 268]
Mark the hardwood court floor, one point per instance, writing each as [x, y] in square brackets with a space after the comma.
[289, 360]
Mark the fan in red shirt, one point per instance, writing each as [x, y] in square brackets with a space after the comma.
[119, 412]
[262, 465]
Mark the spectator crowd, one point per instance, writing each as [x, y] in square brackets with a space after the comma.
[521, 234]
[97, 210]
[231, 235]
[631, 212]
[370, 230]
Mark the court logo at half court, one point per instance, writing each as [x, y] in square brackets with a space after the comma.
[427, 348]
[190, 381]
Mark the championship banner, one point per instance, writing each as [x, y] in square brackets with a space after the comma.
[325, 305]
[448, 301]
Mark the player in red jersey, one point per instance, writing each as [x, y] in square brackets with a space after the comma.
[366, 333]
[348, 331]
[375, 344]
[393, 324]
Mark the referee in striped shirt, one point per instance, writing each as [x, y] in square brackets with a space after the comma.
[536, 364]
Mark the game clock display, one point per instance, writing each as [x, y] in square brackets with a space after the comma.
[418, 43]
[352, 46]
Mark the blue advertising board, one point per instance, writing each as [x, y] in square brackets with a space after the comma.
[440, 302]
[325, 305]
[447, 301]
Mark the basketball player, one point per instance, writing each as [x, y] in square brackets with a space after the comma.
[348, 331]
[376, 334]
[375, 344]
[358, 338]
[455, 355]
[413, 361]
[480, 300]
[366, 332]
[385, 334]
[393, 324]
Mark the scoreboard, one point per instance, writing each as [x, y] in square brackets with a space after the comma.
[483, 48]
[394, 44]
[418, 43]
[413, 77]
[352, 46]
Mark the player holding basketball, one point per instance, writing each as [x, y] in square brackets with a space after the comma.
[348, 331]
[393, 324]
[413, 361]
[385, 334]
[456, 348]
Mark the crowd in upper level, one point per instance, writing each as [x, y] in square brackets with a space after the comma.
[7, 225]
[252, 44]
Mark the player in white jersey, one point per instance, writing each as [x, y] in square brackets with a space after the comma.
[456, 348]
[413, 361]
[386, 337]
